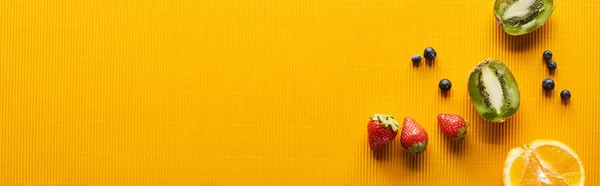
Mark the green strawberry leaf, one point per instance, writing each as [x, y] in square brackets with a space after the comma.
[417, 148]
[462, 132]
[386, 121]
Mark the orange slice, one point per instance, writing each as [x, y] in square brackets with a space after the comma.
[543, 162]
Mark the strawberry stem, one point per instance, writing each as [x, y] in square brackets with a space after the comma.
[417, 148]
[462, 132]
[386, 121]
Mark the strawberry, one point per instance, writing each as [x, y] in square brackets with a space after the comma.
[382, 130]
[413, 138]
[453, 125]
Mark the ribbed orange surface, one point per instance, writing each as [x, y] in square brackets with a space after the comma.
[276, 92]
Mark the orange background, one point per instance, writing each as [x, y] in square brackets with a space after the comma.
[276, 92]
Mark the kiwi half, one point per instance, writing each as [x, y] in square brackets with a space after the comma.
[519, 17]
[493, 90]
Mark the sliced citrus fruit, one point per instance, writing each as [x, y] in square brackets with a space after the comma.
[543, 162]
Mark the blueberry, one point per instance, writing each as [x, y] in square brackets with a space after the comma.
[416, 59]
[551, 65]
[429, 53]
[445, 85]
[565, 95]
[548, 84]
[547, 55]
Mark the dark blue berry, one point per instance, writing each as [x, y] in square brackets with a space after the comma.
[445, 85]
[547, 55]
[429, 53]
[416, 59]
[565, 95]
[548, 84]
[551, 65]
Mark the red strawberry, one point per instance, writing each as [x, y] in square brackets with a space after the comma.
[382, 130]
[413, 138]
[453, 125]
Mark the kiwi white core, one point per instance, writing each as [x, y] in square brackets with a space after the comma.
[518, 9]
[530, 24]
[493, 88]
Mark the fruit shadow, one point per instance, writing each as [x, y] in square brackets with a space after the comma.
[415, 65]
[385, 161]
[392, 156]
[413, 161]
[456, 146]
[396, 163]
[524, 42]
[430, 63]
[384, 153]
[549, 93]
[494, 133]
[444, 94]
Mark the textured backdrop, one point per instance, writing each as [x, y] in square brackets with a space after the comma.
[275, 92]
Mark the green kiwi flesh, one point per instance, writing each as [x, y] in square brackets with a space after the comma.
[519, 17]
[493, 90]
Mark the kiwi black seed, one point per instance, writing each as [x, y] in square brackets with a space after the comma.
[494, 90]
[519, 17]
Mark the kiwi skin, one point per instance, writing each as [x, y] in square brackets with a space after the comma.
[515, 31]
[477, 100]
